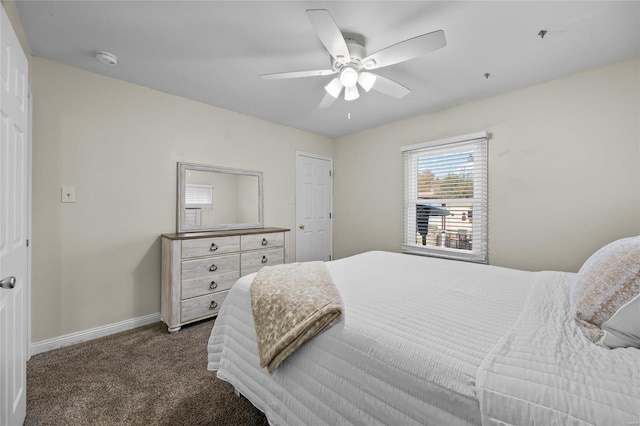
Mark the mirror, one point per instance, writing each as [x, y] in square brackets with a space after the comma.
[214, 198]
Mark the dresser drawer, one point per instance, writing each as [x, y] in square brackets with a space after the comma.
[202, 306]
[210, 266]
[253, 261]
[261, 241]
[210, 246]
[211, 284]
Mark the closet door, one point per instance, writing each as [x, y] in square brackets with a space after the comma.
[314, 204]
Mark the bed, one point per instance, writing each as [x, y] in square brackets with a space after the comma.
[432, 341]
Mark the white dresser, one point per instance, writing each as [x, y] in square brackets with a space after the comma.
[199, 268]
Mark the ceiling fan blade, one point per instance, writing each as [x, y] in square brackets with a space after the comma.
[390, 87]
[329, 34]
[406, 50]
[296, 74]
[327, 101]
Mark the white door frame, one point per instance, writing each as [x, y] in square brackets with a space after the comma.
[330, 160]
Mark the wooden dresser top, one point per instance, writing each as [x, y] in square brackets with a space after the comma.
[222, 233]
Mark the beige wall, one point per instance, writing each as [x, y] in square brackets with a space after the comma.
[564, 170]
[97, 262]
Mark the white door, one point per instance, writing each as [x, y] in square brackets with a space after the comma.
[14, 202]
[314, 205]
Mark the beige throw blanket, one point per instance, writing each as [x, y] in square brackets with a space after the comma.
[291, 304]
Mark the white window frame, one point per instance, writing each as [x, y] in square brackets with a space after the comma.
[476, 142]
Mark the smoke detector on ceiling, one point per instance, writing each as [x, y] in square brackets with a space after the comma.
[107, 58]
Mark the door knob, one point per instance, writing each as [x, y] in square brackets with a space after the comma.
[301, 227]
[8, 283]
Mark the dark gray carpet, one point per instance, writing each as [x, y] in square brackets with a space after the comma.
[144, 376]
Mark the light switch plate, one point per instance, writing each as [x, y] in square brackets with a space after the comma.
[68, 194]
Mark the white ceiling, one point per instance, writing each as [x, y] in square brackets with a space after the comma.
[214, 51]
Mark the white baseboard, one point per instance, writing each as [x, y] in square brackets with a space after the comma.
[94, 333]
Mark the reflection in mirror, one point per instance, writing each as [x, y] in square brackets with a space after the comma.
[212, 198]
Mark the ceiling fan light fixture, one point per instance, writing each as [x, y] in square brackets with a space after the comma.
[348, 76]
[350, 64]
[366, 80]
[334, 87]
[351, 93]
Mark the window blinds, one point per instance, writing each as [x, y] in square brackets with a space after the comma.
[445, 198]
[198, 196]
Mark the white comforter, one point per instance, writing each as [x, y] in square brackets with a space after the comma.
[406, 352]
[423, 340]
[545, 372]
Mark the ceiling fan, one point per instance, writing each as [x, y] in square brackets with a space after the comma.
[352, 65]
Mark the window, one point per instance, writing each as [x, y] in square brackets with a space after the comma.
[198, 196]
[196, 199]
[445, 198]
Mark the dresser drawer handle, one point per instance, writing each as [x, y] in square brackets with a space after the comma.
[264, 242]
[213, 247]
[264, 259]
[213, 285]
[213, 268]
[213, 305]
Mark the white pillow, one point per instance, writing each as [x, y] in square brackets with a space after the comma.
[605, 298]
